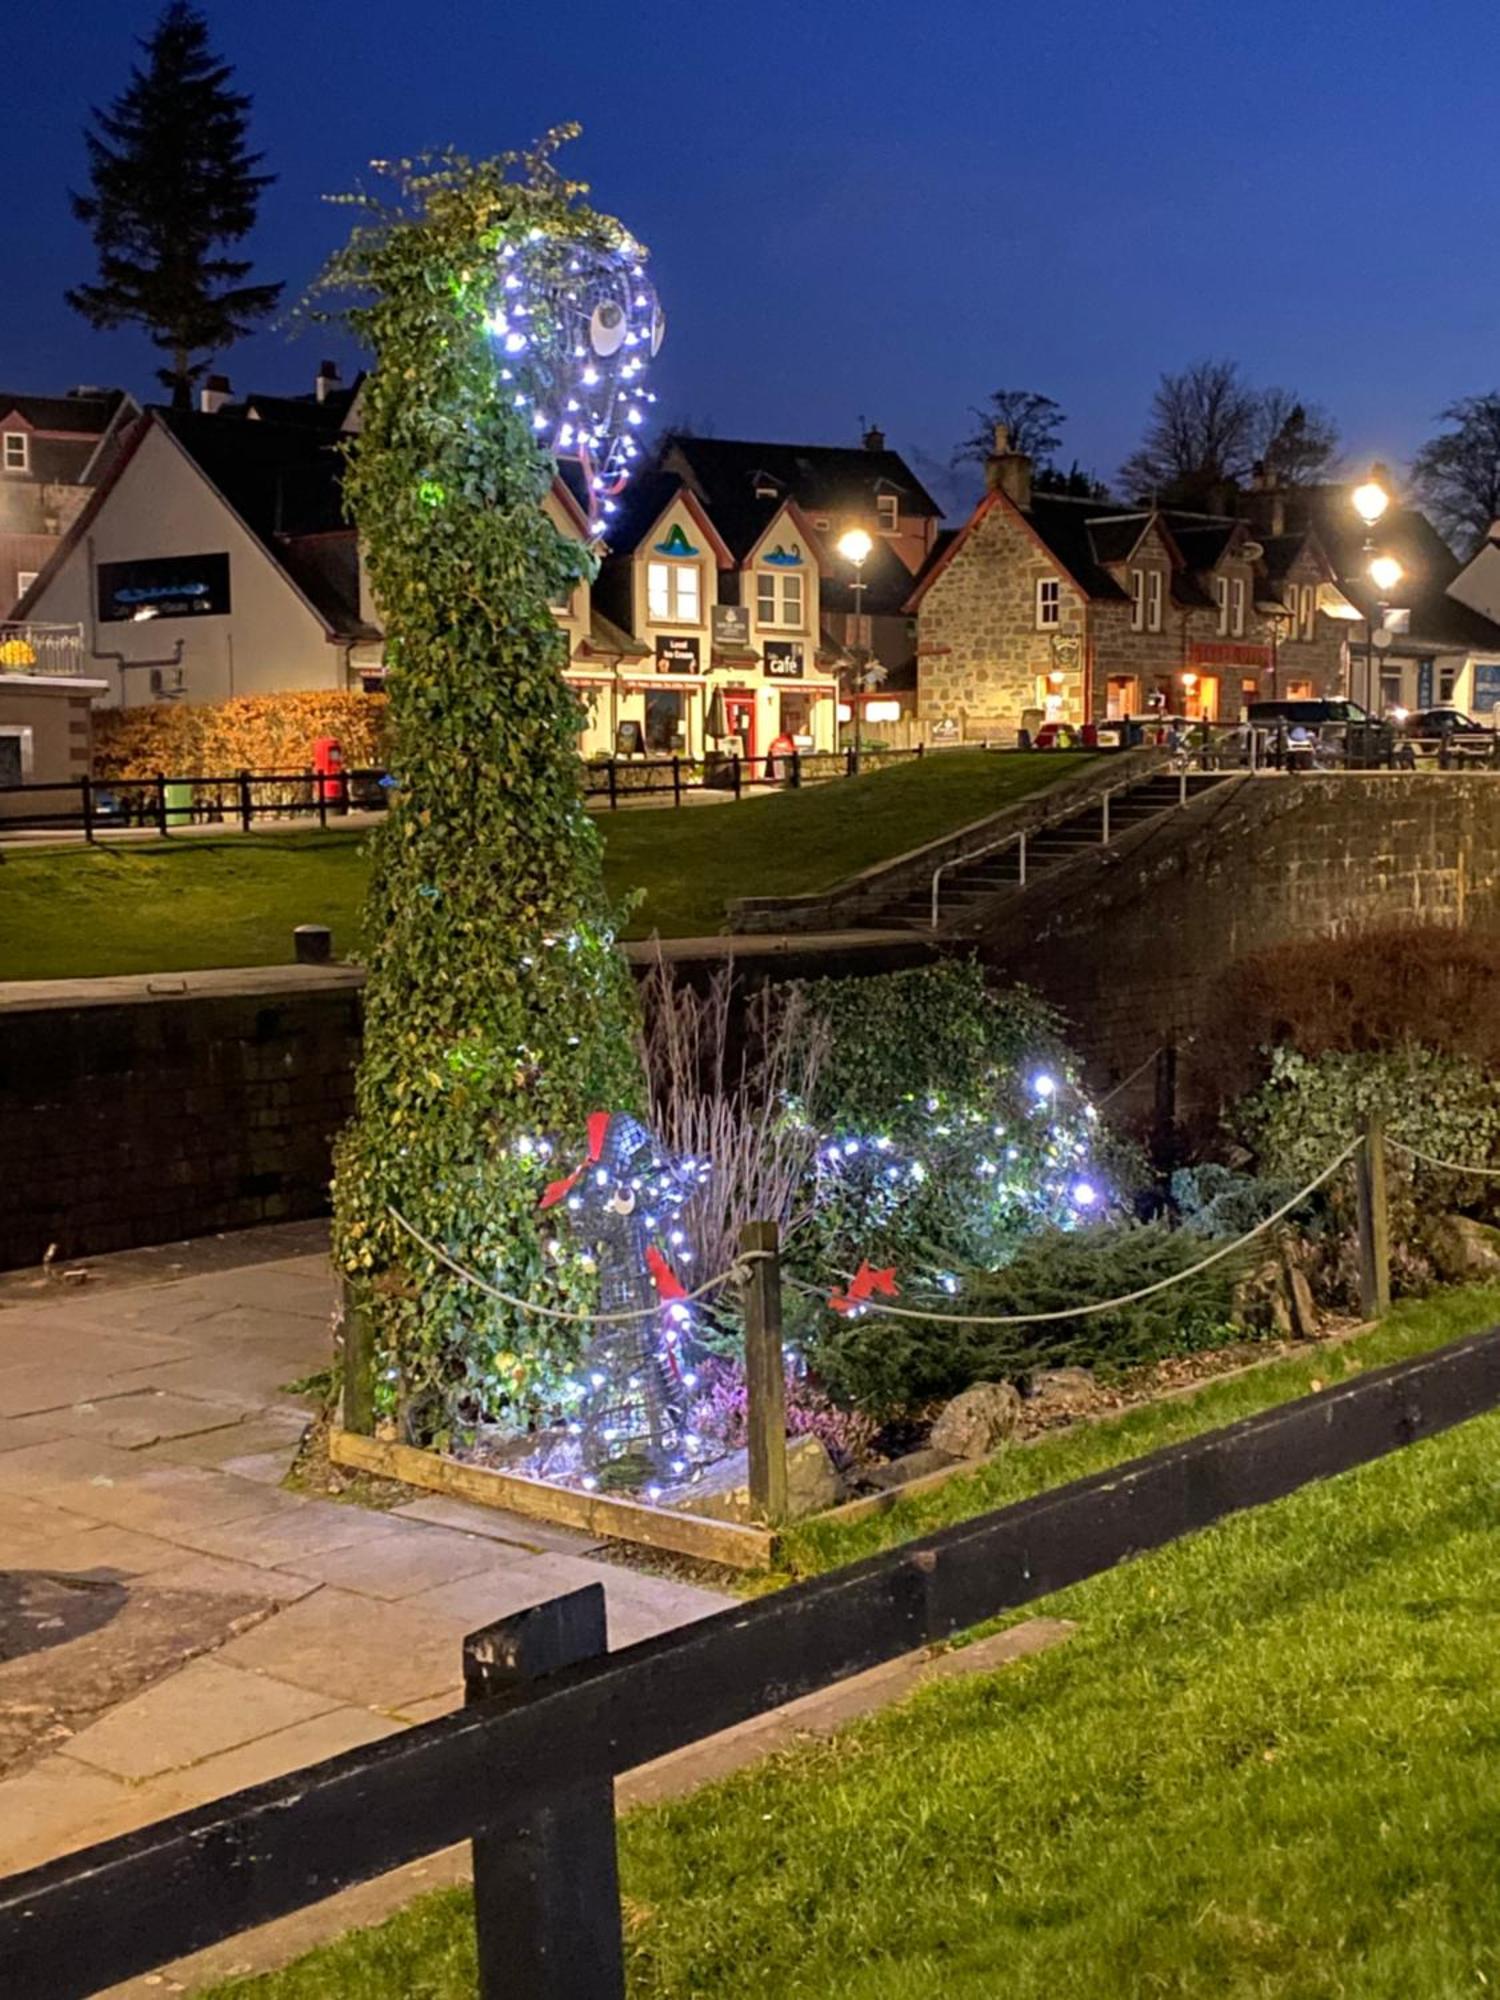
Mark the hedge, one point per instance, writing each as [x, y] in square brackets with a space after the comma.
[258, 733]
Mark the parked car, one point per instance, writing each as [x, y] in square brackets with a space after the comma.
[1446, 733]
[1340, 731]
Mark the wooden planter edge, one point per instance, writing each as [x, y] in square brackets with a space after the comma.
[725, 1542]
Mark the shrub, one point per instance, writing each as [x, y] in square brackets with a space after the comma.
[950, 1119]
[887, 1366]
[721, 1412]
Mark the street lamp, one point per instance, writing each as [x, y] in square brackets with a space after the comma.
[1370, 499]
[855, 546]
[1385, 573]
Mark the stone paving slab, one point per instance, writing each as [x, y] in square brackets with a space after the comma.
[539, 1537]
[208, 1707]
[145, 1425]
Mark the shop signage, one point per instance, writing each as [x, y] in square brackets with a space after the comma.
[783, 660]
[164, 587]
[1486, 686]
[731, 624]
[1205, 654]
[1067, 653]
[677, 656]
[944, 730]
[1424, 682]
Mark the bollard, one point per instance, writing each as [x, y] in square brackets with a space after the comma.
[765, 1373]
[313, 944]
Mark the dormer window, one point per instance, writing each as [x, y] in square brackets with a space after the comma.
[779, 599]
[15, 456]
[1137, 600]
[1221, 589]
[888, 513]
[1154, 592]
[1237, 606]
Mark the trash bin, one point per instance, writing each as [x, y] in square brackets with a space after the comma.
[179, 803]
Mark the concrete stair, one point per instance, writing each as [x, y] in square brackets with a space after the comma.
[967, 885]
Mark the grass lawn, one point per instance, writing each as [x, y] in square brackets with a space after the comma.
[1267, 1765]
[187, 903]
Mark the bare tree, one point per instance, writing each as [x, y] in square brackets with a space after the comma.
[1034, 424]
[1201, 434]
[1457, 473]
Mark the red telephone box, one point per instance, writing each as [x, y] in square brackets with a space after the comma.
[328, 763]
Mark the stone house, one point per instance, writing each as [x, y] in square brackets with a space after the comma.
[1047, 606]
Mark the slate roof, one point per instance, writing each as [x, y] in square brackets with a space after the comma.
[84, 419]
[820, 478]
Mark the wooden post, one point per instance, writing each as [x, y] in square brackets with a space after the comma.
[547, 1892]
[161, 804]
[86, 801]
[614, 786]
[765, 1372]
[359, 1362]
[247, 804]
[1164, 1118]
[1374, 1222]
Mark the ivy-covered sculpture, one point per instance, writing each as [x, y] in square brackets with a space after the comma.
[497, 1009]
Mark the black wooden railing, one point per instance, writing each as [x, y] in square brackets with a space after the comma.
[524, 1771]
[621, 779]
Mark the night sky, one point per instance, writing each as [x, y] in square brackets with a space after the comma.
[878, 210]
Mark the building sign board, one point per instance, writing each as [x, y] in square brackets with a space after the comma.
[1424, 682]
[731, 624]
[783, 660]
[944, 730]
[163, 587]
[1486, 686]
[1208, 654]
[677, 654]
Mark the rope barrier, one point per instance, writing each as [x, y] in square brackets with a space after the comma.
[736, 1270]
[1128, 1298]
[1444, 1166]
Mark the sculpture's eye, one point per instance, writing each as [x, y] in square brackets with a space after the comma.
[622, 1201]
[607, 329]
[658, 330]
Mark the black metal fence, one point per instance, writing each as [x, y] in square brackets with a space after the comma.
[621, 779]
[92, 806]
[525, 1770]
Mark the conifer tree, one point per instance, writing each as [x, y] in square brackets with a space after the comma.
[172, 187]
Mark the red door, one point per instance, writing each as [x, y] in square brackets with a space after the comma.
[739, 711]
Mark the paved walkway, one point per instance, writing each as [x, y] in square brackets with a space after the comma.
[217, 1630]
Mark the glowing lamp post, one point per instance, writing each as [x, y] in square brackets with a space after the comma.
[855, 546]
[1370, 499]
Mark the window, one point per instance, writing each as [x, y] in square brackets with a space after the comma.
[1154, 592]
[15, 755]
[1221, 587]
[1048, 602]
[17, 452]
[1237, 603]
[1137, 600]
[778, 598]
[1309, 599]
[562, 607]
[796, 719]
[672, 593]
[1447, 677]
[888, 512]
[666, 721]
[25, 578]
[1121, 694]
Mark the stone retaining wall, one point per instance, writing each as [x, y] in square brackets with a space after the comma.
[138, 1111]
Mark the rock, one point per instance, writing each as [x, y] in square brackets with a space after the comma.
[1303, 1311]
[723, 1493]
[1462, 1248]
[977, 1422]
[1063, 1391]
[912, 1465]
[1260, 1300]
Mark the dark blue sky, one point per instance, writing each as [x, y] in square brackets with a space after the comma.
[880, 209]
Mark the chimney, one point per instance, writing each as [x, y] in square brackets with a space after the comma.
[874, 438]
[214, 394]
[327, 380]
[1008, 472]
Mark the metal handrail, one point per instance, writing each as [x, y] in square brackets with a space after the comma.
[1182, 764]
